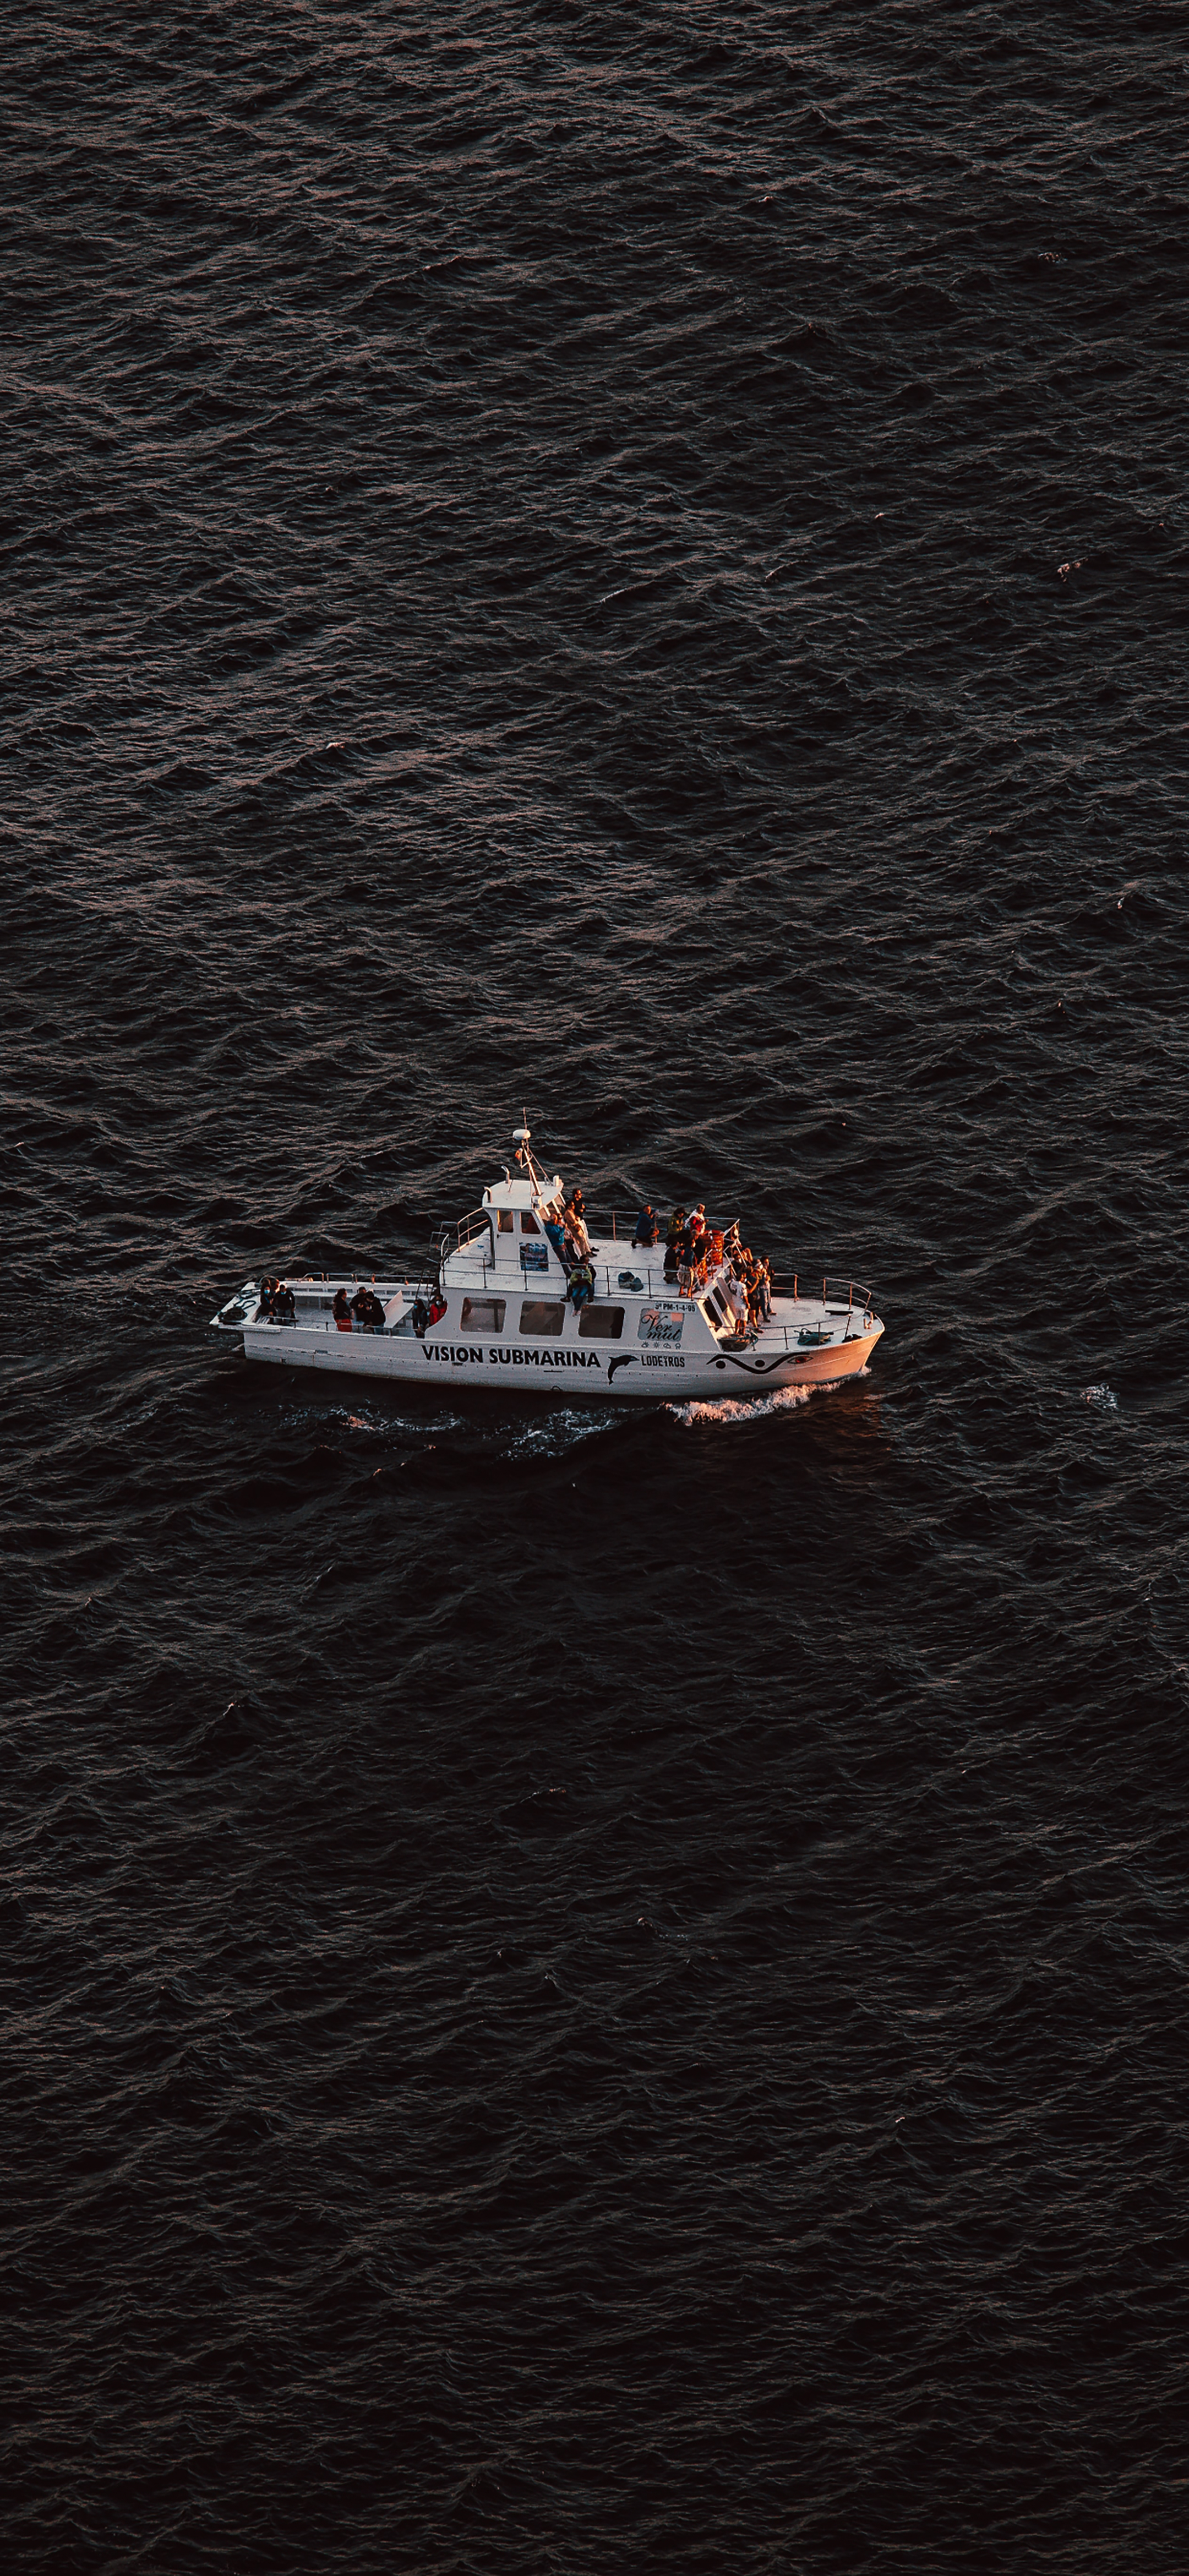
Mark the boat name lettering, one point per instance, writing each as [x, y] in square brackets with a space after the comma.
[467, 1354]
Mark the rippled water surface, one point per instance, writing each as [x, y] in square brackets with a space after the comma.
[589, 1989]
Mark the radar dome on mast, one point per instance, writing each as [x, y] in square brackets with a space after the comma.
[520, 1137]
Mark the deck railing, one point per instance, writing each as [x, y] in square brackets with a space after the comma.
[468, 1227]
[603, 1225]
[842, 1294]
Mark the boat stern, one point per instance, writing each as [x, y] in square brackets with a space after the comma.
[238, 1311]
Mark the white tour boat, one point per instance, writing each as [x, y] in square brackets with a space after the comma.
[495, 1307]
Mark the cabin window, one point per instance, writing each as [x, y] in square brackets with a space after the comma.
[528, 1222]
[483, 1314]
[600, 1323]
[536, 1316]
[507, 1221]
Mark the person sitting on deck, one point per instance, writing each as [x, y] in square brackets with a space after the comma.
[342, 1311]
[437, 1307]
[556, 1233]
[266, 1291]
[580, 1285]
[647, 1231]
[284, 1306]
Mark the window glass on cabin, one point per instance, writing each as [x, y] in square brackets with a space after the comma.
[600, 1323]
[536, 1316]
[483, 1314]
[507, 1221]
[528, 1222]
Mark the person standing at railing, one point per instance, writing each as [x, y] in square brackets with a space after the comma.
[647, 1231]
[574, 1214]
[737, 1301]
[556, 1233]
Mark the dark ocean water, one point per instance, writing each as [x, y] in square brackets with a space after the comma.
[596, 1991]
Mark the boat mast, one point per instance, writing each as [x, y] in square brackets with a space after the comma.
[526, 1158]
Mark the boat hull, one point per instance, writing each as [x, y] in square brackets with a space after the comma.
[588, 1375]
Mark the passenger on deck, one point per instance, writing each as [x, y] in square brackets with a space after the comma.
[556, 1233]
[647, 1231]
[437, 1307]
[673, 1234]
[284, 1306]
[375, 1312]
[737, 1301]
[420, 1317]
[359, 1307]
[575, 1217]
[580, 1285]
[342, 1311]
[266, 1291]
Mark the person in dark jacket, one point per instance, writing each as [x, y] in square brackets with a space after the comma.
[342, 1311]
[284, 1305]
[647, 1231]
